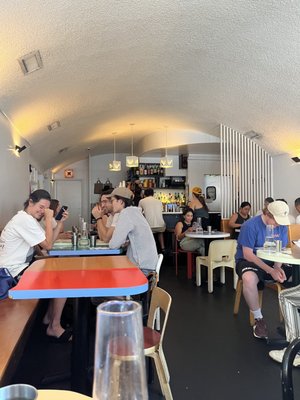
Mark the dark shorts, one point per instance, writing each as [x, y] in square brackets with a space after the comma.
[243, 266]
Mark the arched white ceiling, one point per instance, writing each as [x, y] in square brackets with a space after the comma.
[188, 64]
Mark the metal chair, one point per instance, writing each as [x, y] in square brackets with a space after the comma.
[220, 255]
[189, 257]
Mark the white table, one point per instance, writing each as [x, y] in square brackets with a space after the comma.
[284, 257]
[206, 235]
[60, 395]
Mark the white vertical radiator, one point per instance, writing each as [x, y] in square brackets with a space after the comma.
[246, 172]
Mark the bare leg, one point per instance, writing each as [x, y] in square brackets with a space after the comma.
[161, 240]
[250, 292]
[54, 313]
[49, 312]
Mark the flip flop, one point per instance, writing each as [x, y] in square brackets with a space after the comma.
[63, 338]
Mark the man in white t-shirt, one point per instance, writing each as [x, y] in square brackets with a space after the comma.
[18, 239]
[152, 210]
[106, 219]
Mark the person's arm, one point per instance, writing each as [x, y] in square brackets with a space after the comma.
[277, 273]
[104, 233]
[178, 231]
[121, 231]
[47, 243]
[232, 221]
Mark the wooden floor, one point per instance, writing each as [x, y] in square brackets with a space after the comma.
[211, 354]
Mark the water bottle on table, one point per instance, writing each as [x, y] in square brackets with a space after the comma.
[199, 225]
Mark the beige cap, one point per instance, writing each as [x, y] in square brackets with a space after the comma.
[280, 211]
[122, 192]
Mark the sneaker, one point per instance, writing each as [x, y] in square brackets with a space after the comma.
[260, 329]
[277, 355]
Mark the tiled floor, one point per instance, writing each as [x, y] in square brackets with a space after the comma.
[211, 354]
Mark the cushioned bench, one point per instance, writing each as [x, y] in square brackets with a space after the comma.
[16, 317]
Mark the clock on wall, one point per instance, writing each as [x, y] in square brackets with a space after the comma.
[69, 173]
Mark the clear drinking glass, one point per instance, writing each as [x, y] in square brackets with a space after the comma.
[119, 369]
[270, 243]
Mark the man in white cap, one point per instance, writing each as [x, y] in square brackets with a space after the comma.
[133, 228]
[251, 269]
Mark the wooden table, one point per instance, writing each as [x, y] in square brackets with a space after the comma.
[80, 278]
[284, 257]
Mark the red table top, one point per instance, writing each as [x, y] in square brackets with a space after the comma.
[80, 277]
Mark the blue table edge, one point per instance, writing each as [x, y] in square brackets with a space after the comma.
[61, 293]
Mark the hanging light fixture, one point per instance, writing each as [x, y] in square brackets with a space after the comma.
[115, 165]
[132, 161]
[166, 162]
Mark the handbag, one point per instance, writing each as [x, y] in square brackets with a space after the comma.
[6, 283]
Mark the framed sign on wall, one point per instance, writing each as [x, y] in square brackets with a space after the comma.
[69, 173]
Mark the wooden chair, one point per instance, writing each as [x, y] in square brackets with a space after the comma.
[225, 227]
[189, 257]
[293, 232]
[122, 350]
[220, 255]
[239, 289]
[153, 340]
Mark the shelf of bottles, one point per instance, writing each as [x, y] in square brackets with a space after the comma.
[172, 201]
[149, 174]
[152, 169]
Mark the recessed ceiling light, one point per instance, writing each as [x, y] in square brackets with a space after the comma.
[54, 125]
[31, 62]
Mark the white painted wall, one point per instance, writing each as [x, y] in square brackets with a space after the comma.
[81, 173]
[286, 180]
[14, 173]
[99, 169]
[200, 165]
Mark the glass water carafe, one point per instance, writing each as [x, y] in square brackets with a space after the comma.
[84, 239]
[270, 243]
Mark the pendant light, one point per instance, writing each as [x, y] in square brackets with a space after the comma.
[115, 165]
[166, 162]
[132, 161]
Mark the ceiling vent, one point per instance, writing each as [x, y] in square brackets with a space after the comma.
[31, 62]
[53, 126]
[253, 135]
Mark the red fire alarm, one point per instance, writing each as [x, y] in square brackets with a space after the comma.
[69, 173]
